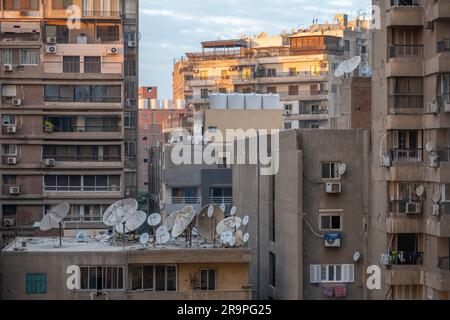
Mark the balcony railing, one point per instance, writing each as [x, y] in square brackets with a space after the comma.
[443, 263]
[406, 155]
[406, 207]
[113, 38]
[220, 200]
[6, 37]
[406, 258]
[185, 200]
[87, 129]
[406, 101]
[83, 67]
[443, 45]
[81, 188]
[103, 13]
[406, 3]
[84, 218]
[406, 51]
[91, 158]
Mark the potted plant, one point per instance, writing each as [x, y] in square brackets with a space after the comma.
[48, 126]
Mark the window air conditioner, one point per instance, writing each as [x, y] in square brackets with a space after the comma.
[50, 162]
[7, 67]
[17, 102]
[432, 108]
[12, 160]
[412, 208]
[51, 40]
[333, 187]
[132, 44]
[11, 129]
[332, 240]
[14, 190]
[9, 222]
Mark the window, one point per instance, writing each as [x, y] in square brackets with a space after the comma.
[101, 278]
[92, 64]
[293, 90]
[272, 271]
[330, 170]
[331, 222]
[36, 283]
[61, 4]
[207, 279]
[93, 93]
[62, 183]
[204, 75]
[153, 278]
[9, 210]
[293, 71]
[28, 57]
[222, 90]
[247, 73]
[9, 180]
[204, 93]
[347, 45]
[184, 195]
[9, 150]
[272, 90]
[6, 56]
[21, 5]
[129, 120]
[8, 120]
[71, 64]
[221, 195]
[288, 125]
[108, 33]
[272, 72]
[225, 74]
[340, 273]
[86, 213]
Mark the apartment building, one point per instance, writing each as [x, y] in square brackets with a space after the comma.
[68, 110]
[37, 271]
[409, 226]
[299, 66]
[309, 220]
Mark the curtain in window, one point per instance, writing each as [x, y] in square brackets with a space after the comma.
[29, 56]
[6, 56]
[51, 92]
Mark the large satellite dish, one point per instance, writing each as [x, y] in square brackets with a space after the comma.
[229, 224]
[226, 237]
[162, 235]
[173, 216]
[207, 221]
[144, 238]
[131, 222]
[154, 219]
[420, 190]
[54, 218]
[233, 211]
[347, 66]
[181, 223]
[115, 214]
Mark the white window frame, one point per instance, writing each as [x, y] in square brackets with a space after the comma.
[331, 214]
[154, 277]
[443, 191]
[336, 164]
[9, 122]
[321, 273]
[9, 145]
[21, 52]
[207, 279]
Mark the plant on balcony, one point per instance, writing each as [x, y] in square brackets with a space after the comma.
[48, 126]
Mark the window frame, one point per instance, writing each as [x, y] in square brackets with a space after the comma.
[103, 267]
[154, 266]
[36, 283]
[330, 215]
[331, 171]
[208, 270]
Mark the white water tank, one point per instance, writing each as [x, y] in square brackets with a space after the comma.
[218, 101]
[236, 101]
[253, 101]
[271, 101]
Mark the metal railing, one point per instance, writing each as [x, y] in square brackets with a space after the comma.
[220, 200]
[94, 99]
[81, 188]
[443, 263]
[406, 207]
[20, 37]
[406, 101]
[87, 129]
[185, 200]
[88, 39]
[95, 158]
[406, 155]
[406, 258]
[84, 218]
[406, 51]
[406, 3]
[102, 13]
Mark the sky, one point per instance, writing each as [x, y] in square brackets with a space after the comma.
[169, 28]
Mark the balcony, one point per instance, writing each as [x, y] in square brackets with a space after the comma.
[84, 39]
[440, 62]
[185, 200]
[281, 77]
[405, 13]
[406, 51]
[406, 155]
[405, 61]
[20, 38]
[83, 70]
[102, 14]
[439, 279]
[438, 10]
[401, 103]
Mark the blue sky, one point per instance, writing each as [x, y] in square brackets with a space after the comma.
[169, 28]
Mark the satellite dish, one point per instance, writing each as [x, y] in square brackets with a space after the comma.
[233, 211]
[81, 236]
[232, 241]
[356, 256]
[162, 235]
[222, 207]
[144, 238]
[132, 222]
[115, 214]
[429, 146]
[246, 237]
[206, 223]
[420, 191]
[54, 217]
[246, 220]
[347, 66]
[211, 211]
[342, 169]
[226, 237]
[161, 205]
[365, 71]
[181, 223]
[171, 219]
[154, 219]
[437, 197]
[229, 224]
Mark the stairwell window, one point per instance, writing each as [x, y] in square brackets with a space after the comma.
[6, 56]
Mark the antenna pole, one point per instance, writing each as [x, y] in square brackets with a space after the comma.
[60, 234]
[123, 228]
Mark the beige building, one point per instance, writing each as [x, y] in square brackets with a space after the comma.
[309, 221]
[409, 226]
[68, 110]
[299, 66]
[36, 270]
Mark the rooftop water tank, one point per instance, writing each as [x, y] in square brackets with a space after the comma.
[218, 101]
[154, 104]
[236, 101]
[271, 101]
[253, 101]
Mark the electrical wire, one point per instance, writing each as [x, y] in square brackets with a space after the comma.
[311, 228]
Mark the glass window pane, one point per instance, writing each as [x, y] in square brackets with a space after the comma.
[82, 93]
[148, 277]
[212, 280]
[160, 277]
[136, 278]
[171, 278]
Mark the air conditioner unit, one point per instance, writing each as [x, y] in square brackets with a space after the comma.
[132, 44]
[9, 222]
[333, 187]
[50, 49]
[413, 208]
[434, 161]
[446, 106]
[50, 162]
[429, 25]
[332, 240]
[323, 107]
[12, 160]
[113, 50]
[51, 40]
[17, 102]
[432, 108]
[385, 161]
[7, 67]
[14, 190]
[11, 129]
[436, 210]
[287, 112]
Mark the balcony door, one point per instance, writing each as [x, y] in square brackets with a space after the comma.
[407, 145]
